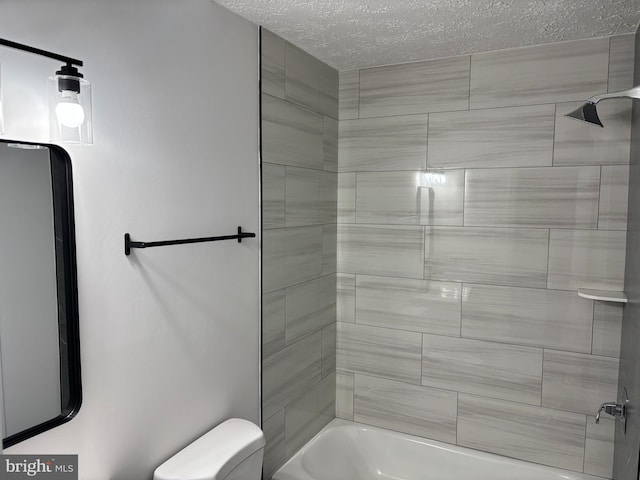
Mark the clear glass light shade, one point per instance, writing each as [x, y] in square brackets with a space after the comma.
[70, 110]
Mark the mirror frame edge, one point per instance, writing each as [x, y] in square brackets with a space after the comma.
[62, 193]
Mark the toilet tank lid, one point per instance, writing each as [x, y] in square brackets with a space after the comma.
[215, 454]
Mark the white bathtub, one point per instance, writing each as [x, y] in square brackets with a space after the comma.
[351, 451]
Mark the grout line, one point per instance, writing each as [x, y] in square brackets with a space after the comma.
[560, 349]
[584, 448]
[296, 167]
[464, 195]
[426, 160]
[461, 167]
[469, 90]
[353, 395]
[355, 297]
[593, 323]
[355, 197]
[546, 287]
[463, 110]
[421, 358]
[609, 65]
[461, 316]
[358, 96]
[466, 227]
[457, 414]
[542, 377]
[553, 141]
[284, 69]
[423, 253]
[599, 199]
[285, 195]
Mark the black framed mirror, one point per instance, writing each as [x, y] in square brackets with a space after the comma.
[39, 332]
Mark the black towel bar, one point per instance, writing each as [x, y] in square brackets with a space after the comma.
[129, 244]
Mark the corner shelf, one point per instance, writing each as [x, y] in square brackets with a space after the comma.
[603, 295]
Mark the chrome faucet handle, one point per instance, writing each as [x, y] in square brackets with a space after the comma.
[617, 410]
[611, 408]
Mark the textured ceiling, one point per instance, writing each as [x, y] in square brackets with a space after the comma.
[349, 34]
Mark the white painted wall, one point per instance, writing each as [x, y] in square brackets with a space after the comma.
[28, 291]
[169, 336]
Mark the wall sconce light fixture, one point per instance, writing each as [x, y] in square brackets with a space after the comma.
[70, 116]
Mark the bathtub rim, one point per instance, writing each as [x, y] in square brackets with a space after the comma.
[295, 461]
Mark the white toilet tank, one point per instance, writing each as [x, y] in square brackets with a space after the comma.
[231, 451]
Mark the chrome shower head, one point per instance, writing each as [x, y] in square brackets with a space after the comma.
[586, 113]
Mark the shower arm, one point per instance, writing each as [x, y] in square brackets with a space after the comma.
[631, 93]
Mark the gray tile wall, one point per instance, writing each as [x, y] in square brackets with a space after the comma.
[457, 289]
[625, 464]
[299, 215]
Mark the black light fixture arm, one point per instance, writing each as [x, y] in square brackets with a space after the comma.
[43, 53]
[129, 244]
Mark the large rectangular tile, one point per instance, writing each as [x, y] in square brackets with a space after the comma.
[273, 196]
[274, 452]
[408, 198]
[586, 259]
[598, 449]
[329, 197]
[379, 351]
[621, 58]
[420, 87]
[614, 195]
[607, 328]
[310, 307]
[408, 304]
[327, 297]
[349, 94]
[502, 256]
[327, 396]
[382, 144]
[527, 316]
[534, 197]
[330, 144]
[346, 198]
[303, 201]
[504, 137]
[535, 434]
[509, 372]
[272, 62]
[577, 143]
[273, 322]
[344, 395]
[329, 249]
[289, 373]
[311, 197]
[291, 135]
[381, 250]
[578, 382]
[411, 409]
[309, 413]
[548, 73]
[290, 256]
[310, 83]
[346, 303]
[329, 350]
